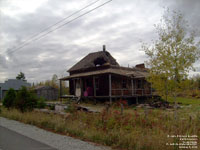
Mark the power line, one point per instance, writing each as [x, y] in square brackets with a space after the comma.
[45, 29]
[25, 44]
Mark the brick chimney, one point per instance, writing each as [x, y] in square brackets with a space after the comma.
[104, 48]
[142, 66]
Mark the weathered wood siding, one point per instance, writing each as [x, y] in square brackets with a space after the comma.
[48, 94]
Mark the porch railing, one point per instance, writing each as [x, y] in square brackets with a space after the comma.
[129, 92]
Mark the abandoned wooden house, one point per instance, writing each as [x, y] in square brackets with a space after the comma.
[98, 75]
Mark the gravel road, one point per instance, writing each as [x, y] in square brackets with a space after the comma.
[57, 141]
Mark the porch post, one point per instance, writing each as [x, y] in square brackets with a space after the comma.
[94, 86]
[110, 88]
[81, 86]
[135, 87]
[132, 86]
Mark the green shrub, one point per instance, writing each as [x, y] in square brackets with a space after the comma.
[41, 103]
[9, 99]
[25, 100]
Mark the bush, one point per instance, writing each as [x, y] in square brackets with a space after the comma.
[41, 103]
[25, 100]
[9, 99]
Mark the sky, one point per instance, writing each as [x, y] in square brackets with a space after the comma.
[121, 25]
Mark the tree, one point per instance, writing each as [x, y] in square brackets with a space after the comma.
[54, 81]
[25, 100]
[21, 76]
[9, 98]
[172, 56]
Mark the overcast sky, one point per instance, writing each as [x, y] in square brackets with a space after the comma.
[122, 25]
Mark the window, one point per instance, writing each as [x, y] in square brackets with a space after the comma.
[124, 84]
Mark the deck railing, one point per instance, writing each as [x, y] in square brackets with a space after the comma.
[129, 92]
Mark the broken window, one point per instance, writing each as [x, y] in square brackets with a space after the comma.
[99, 61]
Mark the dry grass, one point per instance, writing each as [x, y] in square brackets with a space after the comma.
[132, 130]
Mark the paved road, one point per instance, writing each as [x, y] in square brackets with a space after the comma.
[10, 140]
[60, 142]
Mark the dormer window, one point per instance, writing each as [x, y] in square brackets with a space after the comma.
[99, 61]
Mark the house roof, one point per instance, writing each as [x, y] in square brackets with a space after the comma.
[14, 83]
[92, 59]
[123, 71]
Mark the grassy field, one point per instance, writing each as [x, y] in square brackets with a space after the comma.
[185, 101]
[136, 129]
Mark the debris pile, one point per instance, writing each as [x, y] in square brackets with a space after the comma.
[156, 104]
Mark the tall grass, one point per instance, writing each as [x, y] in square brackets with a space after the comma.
[185, 101]
[132, 131]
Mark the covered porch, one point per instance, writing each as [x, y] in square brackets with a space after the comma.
[108, 85]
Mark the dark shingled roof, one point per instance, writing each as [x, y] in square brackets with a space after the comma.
[89, 61]
[123, 71]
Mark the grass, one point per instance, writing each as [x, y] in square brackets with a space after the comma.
[185, 101]
[134, 130]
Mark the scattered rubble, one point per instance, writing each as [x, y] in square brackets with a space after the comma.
[86, 109]
[157, 104]
[60, 109]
